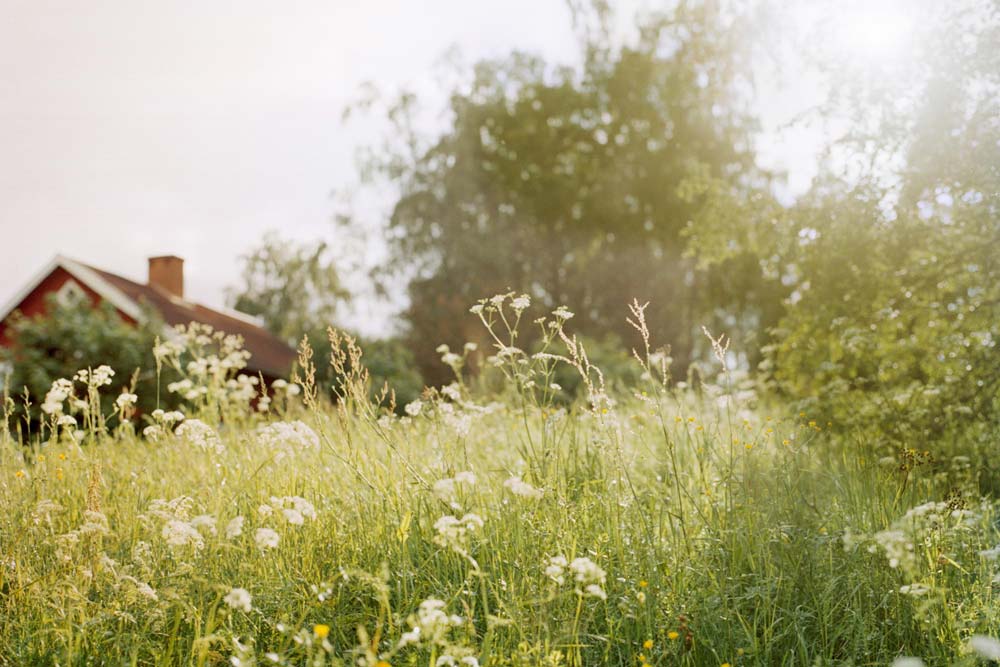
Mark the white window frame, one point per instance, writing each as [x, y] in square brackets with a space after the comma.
[70, 293]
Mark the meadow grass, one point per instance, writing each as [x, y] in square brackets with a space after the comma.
[654, 525]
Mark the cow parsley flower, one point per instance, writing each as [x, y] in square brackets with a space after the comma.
[296, 435]
[589, 576]
[204, 523]
[179, 533]
[430, 624]
[556, 569]
[520, 303]
[125, 399]
[454, 533]
[60, 390]
[201, 435]
[266, 538]
[562, 313]
[293, 516]
[466, 477]
[413, 407]
[985, 647]
[234, 528]
[519, 487]
[239, 598]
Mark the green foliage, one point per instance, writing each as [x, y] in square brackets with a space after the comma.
[568, 184]
[73, 336]
[888, 264]
[389, 362]
[293, 287]
[655, 530]
[611, 356]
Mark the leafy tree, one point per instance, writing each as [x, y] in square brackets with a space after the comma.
[570, 184]
[890, 261]
[293, 287]
[75, 335]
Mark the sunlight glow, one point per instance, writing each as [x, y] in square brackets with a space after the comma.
[874, 33]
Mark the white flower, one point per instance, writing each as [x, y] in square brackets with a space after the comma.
[125, 399]
[985, 647]
[146, 590]
[521, 303]
[562, 313]
[915, 590]
[99, 377]
[66, 420]
[471, 347]
[519, 487]
[466, 477]
[596, 591]
[453, 532]
[452, 391]
[293, 516]
[239, 598]
[288, 435]
[429, 624]
[60, 390]
[204, 522]
[556, 568]
[266, 538]
[991, 554]
[442, 349]
[413, 408]
[476, 309]
[295, 509]
[234, 528]
[907, 661]
[201, 435]
[411, 637]
[444, 489]
[179, 533]
[585, 571]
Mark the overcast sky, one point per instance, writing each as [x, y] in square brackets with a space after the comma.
[131, 129]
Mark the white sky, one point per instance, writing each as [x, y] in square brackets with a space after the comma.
[130, 129]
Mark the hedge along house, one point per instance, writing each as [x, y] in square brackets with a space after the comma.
[163, 292]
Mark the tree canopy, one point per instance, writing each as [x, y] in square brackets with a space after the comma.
[579, 186]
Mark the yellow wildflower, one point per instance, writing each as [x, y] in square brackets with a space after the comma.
[672, 635]
[321, 630]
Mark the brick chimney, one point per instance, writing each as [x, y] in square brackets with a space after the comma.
[167, 273]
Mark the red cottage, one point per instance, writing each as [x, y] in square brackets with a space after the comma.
[163, 292]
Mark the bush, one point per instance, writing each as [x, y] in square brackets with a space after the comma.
[73, 336]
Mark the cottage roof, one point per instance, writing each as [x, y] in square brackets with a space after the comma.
[269, 354]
